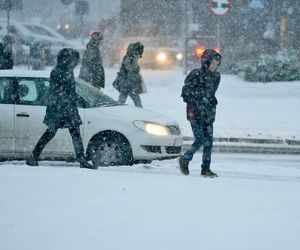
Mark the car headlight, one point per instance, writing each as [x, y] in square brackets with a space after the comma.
[152, 128]
[179, 56]
[161, 57]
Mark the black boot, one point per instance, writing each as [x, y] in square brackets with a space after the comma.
[32, 161]
[184, 166]
[84, 164]
[206, 172]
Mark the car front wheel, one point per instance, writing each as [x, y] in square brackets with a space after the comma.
[111, 149]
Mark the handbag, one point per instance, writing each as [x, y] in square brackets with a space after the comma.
[143, 88]
[117, 82]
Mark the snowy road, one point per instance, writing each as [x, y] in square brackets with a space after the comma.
[254, 204]
[248, 166]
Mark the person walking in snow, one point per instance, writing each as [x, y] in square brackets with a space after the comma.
[198, 92]
[129, 81]
[92, 69]
[62, 111]
[37, 55]
[6, 52]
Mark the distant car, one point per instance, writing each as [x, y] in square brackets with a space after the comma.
[159, 53]
[27, 34]
[113, 134]
[160, 58]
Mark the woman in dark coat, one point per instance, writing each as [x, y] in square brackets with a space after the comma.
[62, 111]
[129, 79]
[92, 69]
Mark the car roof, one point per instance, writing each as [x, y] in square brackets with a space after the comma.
[25, 73]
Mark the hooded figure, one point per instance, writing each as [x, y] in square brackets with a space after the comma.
[198, 92]
[129, 79]
[62, 111]
[37, 55]
[6, 54]
[92, 69]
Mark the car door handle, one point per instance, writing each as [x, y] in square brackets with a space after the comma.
[23, 114]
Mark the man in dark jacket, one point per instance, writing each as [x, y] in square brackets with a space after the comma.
[198, 92]
[6, 54]
[62, 111]
[92, 69]
[130, 79]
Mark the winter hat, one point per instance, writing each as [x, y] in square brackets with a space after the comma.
[209, 55]
[8, 39]
[130, 49]
[97, 36]
[67, 56]
[139, 48]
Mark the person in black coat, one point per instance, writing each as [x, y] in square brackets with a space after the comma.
[62, 111]
[129, 80]
[6, 53]
[92, 69]
[198, 92]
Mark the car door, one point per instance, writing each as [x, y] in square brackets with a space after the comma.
[29, 114]
[7, 141]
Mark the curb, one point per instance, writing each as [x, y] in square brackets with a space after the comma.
[250, 145]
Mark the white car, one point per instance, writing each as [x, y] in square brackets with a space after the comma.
[112, 134]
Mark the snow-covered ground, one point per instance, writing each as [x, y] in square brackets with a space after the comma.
[254, 204]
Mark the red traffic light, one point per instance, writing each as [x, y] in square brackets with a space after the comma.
[199, 51]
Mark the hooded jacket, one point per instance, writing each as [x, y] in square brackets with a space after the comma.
[199, 91]
[92, 69]
[6, 53]
[130, 70]
[62, 111]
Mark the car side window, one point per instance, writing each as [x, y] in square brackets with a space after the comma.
[33, 91]
[27, 91]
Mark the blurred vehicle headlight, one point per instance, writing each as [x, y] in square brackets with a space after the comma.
[151, 128]
[161, 57]
[179, 56]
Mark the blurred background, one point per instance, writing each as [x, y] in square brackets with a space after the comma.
[257, 38]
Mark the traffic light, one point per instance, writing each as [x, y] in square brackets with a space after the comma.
[199, 51]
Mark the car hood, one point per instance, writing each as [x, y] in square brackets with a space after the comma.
[131, 113]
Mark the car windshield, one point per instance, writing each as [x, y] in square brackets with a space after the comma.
[93, 96]
[38, 30]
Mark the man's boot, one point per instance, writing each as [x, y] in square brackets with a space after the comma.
[206, 172]
[184, 166]
[32, 161]
[84, 164]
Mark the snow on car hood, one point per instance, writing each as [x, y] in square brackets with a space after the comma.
[131, 113]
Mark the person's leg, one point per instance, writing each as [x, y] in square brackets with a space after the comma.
[198, 133]
[77, 142]
[78, 148]
[123, 97]
[184, 160]
[43, 141]
[136, 99]
[207, 148]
